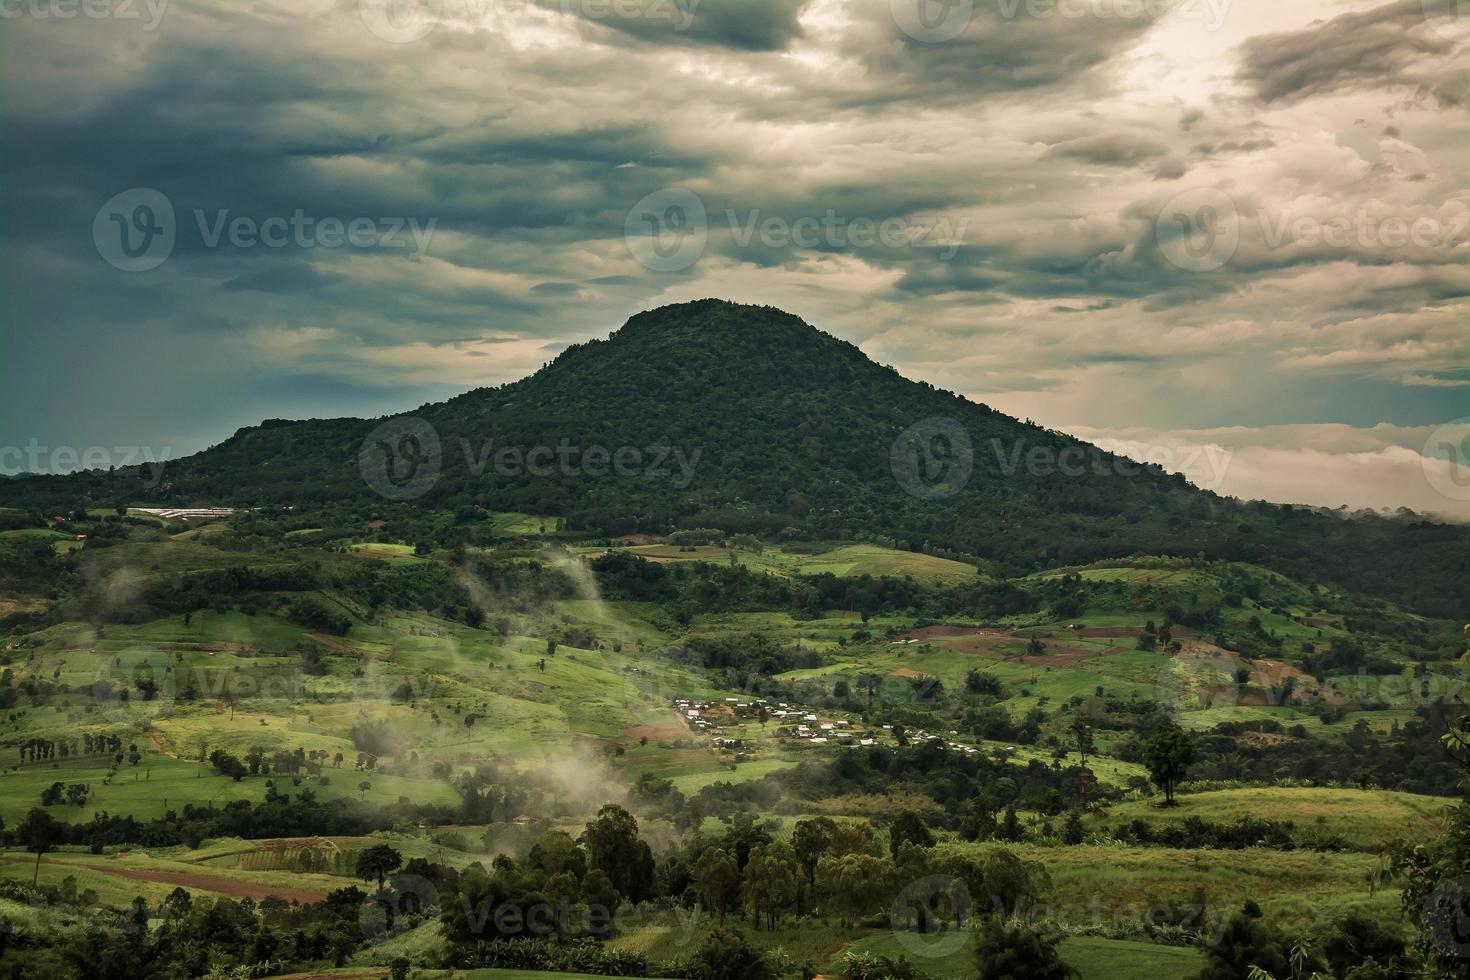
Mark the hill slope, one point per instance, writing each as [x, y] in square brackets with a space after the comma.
[711, 414]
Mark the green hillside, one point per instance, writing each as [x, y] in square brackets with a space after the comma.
[746, 419]
[1111, 721]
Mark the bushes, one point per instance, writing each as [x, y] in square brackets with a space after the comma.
[1194, 832]
[575, 956]
[315, 614]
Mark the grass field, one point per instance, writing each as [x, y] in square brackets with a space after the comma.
[599, 715]
[1366, 819]
[118, 878]
[944, 957]
[840, 560]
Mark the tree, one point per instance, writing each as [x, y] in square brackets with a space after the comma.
[363, 788]
[598, 892]
[227, 765]
[40, 832]
[1245, 944]
[1010, 828]
[855, 884]
[1072, 831]
[718, 879]
[810, 840]
[1082, 734]
[378, 862]
[770, 882]
[908, 826]
[1168, 756]
[556, 853]
[1357, 939]
[1436, 895]
[614, 847]
[1009, 950]
[728, 955]
[999, 883]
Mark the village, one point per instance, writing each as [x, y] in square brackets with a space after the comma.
[796, 725]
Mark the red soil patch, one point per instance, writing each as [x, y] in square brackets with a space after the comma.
[678, 728]
[907, 673]
[208, 883]
[1106, 631]
[335, 646]
[633, 540]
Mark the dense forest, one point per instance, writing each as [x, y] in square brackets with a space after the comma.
[745, 418]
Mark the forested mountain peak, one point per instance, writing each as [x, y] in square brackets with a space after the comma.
[747, 419]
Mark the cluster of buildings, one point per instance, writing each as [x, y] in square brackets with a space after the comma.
[795, 722]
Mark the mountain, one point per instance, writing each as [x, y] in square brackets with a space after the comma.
[746, 419]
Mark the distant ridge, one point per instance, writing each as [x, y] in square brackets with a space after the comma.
[794, 432]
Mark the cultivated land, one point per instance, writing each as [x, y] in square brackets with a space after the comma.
[348, 668]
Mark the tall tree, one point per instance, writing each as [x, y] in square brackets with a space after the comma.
[378, 862]
[1168, 756]
[908, 826]
[40, 832]
[855, 884]
[810, 840]
[770, 882]
[718, 879]
[614, 847]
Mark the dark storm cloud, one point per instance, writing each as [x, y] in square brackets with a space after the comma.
[1116, 149]
[285, 278]
[527, 140]
[744, 25]
[1355, 50]
[1002, 48]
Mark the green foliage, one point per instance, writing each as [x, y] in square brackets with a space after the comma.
[614, 848]
[377, 862]
[1244, 944]
[717, 878]
[908, 826]
[1168, 756]
[794, 431]
[728, 955]
[1013, 951]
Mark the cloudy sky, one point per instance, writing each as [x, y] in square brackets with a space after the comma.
[1227, 234]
